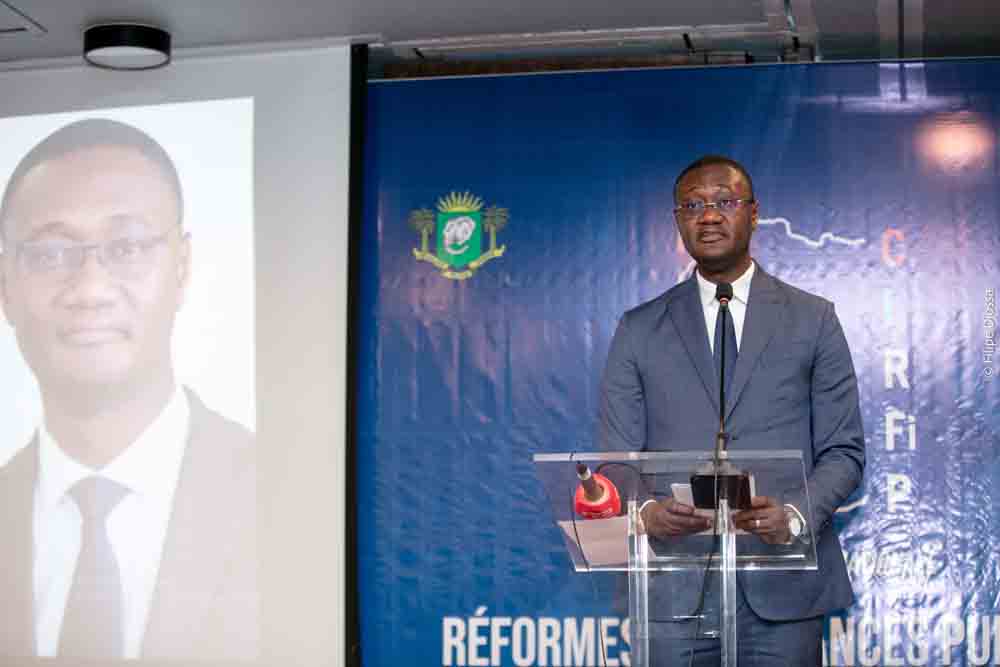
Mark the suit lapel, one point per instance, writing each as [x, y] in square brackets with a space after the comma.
[17, 493]
[765, 316]
[197, 548]
[689, 319]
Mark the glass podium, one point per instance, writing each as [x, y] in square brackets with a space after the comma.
[620, 543]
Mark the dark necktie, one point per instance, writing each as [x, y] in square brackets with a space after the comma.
[727, 338]
[92, 623]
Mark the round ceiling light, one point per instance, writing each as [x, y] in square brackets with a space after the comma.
[126, 46]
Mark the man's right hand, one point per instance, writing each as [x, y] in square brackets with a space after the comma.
[669, 518]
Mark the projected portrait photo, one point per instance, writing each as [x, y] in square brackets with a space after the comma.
[128, 476]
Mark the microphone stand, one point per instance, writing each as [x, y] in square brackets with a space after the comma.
[727, 488]
[727, 492]
[721, 438]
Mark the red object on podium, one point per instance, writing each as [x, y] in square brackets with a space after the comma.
[596, 496]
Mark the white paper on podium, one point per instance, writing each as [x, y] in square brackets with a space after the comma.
[604, 542]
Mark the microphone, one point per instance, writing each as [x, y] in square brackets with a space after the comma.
[724, 293]
[596, 497]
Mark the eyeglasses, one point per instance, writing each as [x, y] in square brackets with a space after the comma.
[695, 208]
[126, 258]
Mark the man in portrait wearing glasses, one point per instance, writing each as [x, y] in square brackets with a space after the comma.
[790, 384]
[129, 519]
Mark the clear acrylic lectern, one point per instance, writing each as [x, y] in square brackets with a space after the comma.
[620, 543]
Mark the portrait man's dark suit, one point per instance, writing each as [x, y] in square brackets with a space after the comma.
[205, 605]
[793, 388]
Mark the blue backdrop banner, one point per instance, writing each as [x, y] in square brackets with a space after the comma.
[508, 223]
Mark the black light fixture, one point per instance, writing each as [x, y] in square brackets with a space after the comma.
[126, 46]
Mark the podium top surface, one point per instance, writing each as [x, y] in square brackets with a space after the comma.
[674, 455]
[641, 477]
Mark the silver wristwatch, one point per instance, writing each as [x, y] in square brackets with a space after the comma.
[796, 526]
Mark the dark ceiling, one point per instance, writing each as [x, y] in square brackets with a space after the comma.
[448, 31]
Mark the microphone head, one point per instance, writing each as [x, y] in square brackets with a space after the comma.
[724, 292]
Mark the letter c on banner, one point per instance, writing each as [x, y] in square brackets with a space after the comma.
[888, 236]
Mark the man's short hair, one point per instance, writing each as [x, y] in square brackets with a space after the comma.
[88, 134]
[711, 160]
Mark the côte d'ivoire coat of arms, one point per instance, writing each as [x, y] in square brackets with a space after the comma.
[458, 234]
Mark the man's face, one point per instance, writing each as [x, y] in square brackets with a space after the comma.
[103, 322]
[718, 240]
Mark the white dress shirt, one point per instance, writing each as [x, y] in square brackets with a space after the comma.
[137, 526]
[737, 305]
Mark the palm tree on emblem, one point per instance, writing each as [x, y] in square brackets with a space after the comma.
[422, 220]
[494, 220]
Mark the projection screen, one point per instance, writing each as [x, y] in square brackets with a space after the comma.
[174, 294]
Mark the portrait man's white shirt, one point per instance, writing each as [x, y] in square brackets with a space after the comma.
[137, 526]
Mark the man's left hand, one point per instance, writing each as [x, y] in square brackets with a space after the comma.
[766, 519]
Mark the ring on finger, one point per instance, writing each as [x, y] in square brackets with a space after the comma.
[756, 524]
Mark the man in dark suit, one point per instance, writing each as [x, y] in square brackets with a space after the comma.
[129, 519]
[792, 386]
